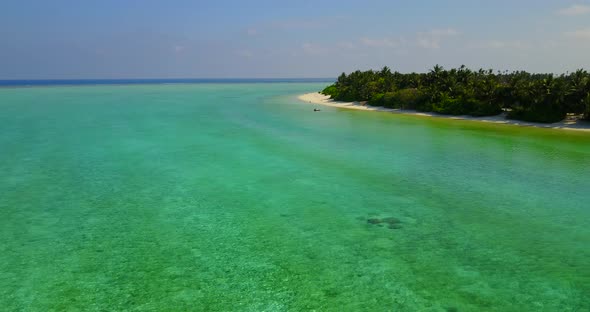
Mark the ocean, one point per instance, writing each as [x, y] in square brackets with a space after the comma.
[235, 196]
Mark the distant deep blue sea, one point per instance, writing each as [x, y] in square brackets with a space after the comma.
[71, 82]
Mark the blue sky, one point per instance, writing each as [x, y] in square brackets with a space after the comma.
[69, 39]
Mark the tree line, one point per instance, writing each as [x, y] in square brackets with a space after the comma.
[461, 91]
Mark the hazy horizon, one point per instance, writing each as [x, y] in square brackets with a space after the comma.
[204, 79]
[229, 39]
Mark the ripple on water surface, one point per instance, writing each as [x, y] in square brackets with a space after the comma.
[238, 197]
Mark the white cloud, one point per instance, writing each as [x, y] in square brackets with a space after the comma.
[304, 24]
[381, 43]
[251, 31]
[577, 9]
[314, 49]
[245, 53]
[579, 34]
[432, 39]
[346, 45]
[296, 24]
[502, 44]
[442, 32]
[178, 48]
[428, 43]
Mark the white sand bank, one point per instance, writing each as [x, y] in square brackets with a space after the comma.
[317, 98]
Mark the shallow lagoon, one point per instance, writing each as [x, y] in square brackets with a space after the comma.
[238, 197]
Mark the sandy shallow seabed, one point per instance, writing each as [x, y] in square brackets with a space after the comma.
[317, 98]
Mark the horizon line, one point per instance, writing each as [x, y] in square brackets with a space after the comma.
[199, 78]
[139, 81]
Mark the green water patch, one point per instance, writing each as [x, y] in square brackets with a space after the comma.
[240, 198]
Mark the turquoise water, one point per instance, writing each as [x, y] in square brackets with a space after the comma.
[237, 197]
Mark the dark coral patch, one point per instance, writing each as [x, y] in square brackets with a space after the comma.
[395, 226]
[391, 222]
[374, 221]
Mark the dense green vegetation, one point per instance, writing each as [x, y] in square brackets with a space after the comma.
[525, 96]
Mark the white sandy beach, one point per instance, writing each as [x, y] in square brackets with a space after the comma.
[318, 98]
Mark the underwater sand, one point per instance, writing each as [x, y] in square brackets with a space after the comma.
[238, 197]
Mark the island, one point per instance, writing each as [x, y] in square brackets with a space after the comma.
[514, 97]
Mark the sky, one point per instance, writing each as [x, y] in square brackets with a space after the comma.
[75, 39]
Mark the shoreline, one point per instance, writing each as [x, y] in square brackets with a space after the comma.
[317, 98]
